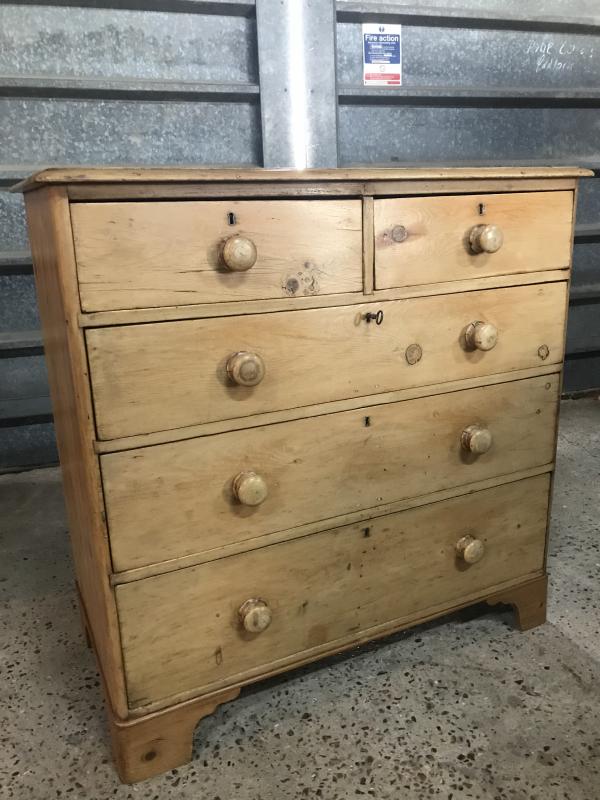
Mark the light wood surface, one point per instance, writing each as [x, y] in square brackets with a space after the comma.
[132, 255]
[168, 501]
[84, 174]
[170, 375]
[222, 426]
[324, 409]
[160, 741]
[312, 189]
[528, 602]
[322, 588]
[536, 229]
[96, 319]
[54, 268]
[138, 573]
[368, 246]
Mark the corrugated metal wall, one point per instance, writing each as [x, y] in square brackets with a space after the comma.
[177, 82]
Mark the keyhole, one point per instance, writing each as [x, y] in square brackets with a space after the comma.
[481, 209]
[231, 218]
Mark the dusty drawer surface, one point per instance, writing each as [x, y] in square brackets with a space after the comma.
[175, 499]
[169, 375]
[431, 239]
[132, 255]
[182, 630]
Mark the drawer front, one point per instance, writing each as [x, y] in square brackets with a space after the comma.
[132, 255]
[176, 499]
[169, 375]
[428, 239]
[182, 631]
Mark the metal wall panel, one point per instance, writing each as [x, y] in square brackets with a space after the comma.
[13, 228]
[438, 135]
[135, 132]
[177, 82]
[105, 43]
[462, 58]
[169, 82]
[488, 83]
[18, 306]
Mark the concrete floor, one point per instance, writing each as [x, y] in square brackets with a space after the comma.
[466, 707]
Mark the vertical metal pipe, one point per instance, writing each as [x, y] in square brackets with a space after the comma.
[298, 93]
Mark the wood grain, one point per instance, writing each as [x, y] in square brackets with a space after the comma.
[527, 600]
[54, 267]
[132, 255]
[536, 229]
[84, 174]
[170, 375]
[350, 518]
[172, 500]
[160, 741]
[322, 589]
[308, 189]
[243, 308]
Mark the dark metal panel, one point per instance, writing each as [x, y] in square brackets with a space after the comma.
[24, 378]
[13, 226]
[127, 89]
[583, 329]
[121, 132]
[588, 206]
[438, 134]
[27, 446]
[586, 262]
[18, 306]
[101, 43]
[243, 8]
[582, 373]
[296, 46]
[551, 14]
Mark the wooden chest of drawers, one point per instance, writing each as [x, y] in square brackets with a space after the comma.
[295, 412]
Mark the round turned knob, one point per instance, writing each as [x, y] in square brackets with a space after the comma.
[481, 336]
[246, 369]
[239, 253]
[250, 489]
[255, 615]
[476, 439]
[470, 549]
[485, 239]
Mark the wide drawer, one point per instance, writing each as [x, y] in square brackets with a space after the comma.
[169, 375]
[132, 255]
[428, 239]
[176, 499]
[182, 633]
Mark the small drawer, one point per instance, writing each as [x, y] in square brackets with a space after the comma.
[171, 500]
[434, 239]
[134, 255]
[169, 375]
[215, 624]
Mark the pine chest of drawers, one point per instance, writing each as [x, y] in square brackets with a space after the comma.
[295, 412]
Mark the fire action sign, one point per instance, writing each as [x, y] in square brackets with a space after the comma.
[382, 55]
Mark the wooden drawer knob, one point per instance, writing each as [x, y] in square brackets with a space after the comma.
[476, 439]
[246, 369]
[485, 239]
[255, 615]
[481, 336]
[250, 489]
[239, 253]
[470, 549]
